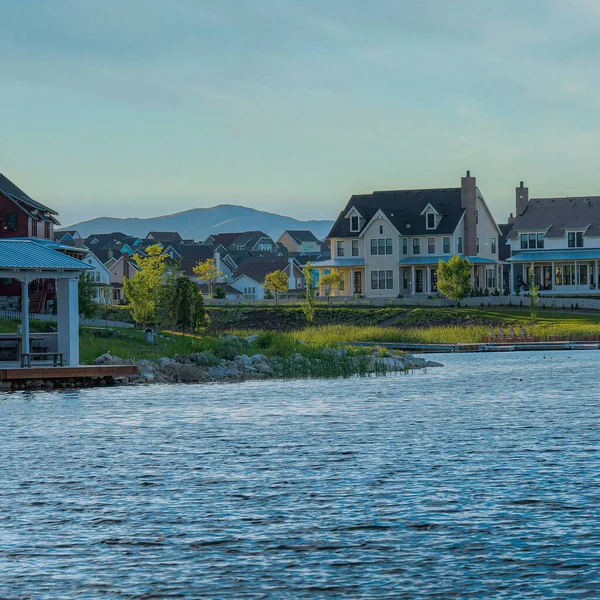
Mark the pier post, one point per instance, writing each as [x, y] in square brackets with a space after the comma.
[68, 320]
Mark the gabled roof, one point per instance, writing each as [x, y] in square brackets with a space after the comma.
[33, 208]
[229, 291]
[190, 256]
[105, 238]
[259, 268]
[164, 236]
[31, 255]
[557, 215]
[248, 239]
[403, 209]
[300, 236]
[224, 239]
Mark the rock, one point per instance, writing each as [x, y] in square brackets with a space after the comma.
[146, 365]
[202, 359]
[223, 372]
[108, 359]
[258, 358]
[230, 336]
[263, 367]
[5, 386]
[183, 359]
[163, 361]
[432, 363]
[252, 338]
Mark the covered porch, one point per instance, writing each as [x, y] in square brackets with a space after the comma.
[353, 271]
[26, 261]
[565, 272]
[418, 274]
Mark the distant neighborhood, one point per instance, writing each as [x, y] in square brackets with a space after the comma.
[385, 244]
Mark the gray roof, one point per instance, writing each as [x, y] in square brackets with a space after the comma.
[403, 208]
[28, 254]
[300, 236]
[560, 214]
[32, 207]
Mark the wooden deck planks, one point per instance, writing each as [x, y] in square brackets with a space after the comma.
[13, 374]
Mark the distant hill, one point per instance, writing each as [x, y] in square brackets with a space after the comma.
[198, 223]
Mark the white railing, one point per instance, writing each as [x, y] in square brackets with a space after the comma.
[16, 315]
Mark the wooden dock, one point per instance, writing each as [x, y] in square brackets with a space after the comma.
[54, 373]
[483, 347]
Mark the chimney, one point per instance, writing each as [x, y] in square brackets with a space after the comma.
[522, 194]
[511, 219]
[125, 266]
[468, 201]
[291, 276]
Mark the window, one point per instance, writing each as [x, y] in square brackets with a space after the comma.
[524, 244]
[459, 245]
[381, 246]
[381, 230]
[416, 246]
[388, 245]
[430, 221]
[263, 248]
[540, 240]
[532, 241]
[383, 280]
[373, 247]
[354, 224]
[249, 293]
[493, 245]
[11, 222]
[34, 228]
[490, 278]
[374, 280]
[575, 239]
[354, 247]
[476, 217]
[298, 282]
[405, 279]
[446, 243]
[568, 275]
[431, 245]
[477, 247]
[342, 285]
[340, 248]
[47, 232]
[404, 245]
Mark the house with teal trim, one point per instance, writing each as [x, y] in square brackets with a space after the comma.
[388, 244]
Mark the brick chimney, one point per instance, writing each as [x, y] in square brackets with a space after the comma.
[125, 265]
[522, 195]
[511, 219]
[468, 201]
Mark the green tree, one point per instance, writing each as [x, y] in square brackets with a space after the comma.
[182, 306]
[86, 289]
[144, 289]
[534, 294]
[276, 282]
[220, 293]
[207, 272]
[309, 306]
[454, 278]
[331, 281]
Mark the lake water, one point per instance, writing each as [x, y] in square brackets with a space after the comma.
[479, 479]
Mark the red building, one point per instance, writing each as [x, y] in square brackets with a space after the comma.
[23, 217]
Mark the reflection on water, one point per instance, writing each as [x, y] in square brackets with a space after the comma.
[476, 480]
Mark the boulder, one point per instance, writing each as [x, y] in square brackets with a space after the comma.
[432, 363]
[164, 361]
[108, 359]
[146, 365]
[252, 338]
[258, 358]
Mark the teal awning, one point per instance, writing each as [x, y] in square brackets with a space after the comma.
[434, 260]
[339, 262]
[528, 256]
[33, 255]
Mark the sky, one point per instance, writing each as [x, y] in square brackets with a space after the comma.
[150, 107]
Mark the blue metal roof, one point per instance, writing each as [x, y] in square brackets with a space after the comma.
[434, 260]
[30, 254]
[550, 255]
[340, 262]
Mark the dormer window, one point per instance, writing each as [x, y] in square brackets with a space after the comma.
[354, 224]
[430, 220]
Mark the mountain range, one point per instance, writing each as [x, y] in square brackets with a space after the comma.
[198, 223]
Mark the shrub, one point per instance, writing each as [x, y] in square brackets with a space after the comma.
[219, 293]
[230, 347]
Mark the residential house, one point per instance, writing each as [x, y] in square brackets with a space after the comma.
[100, 275]
[66, 236]
[249, 278]
[165, 237]
[559, 240]
[389, 243]
[120, 269]
[299, 242]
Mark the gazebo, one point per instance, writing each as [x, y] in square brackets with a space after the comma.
[26, 260]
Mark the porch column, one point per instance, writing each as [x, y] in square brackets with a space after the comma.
[531, 273]
[576, 276]
[428, 286]
[412, 280]
[596, 275]
[68, 320]
[351, 283]
[472, 277]
[25, 317]
[553, 278]
[512, 279]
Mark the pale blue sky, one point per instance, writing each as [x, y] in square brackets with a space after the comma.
[146, 107]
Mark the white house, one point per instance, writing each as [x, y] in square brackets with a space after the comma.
[100, 275]
[389, 243]
[249, 278]
[558, 239]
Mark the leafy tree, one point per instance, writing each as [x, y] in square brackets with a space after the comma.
[331, 281]
[309, 307]
[454, 278]
[220, 293]
[207, 272]
[143, 290]
[276, 282]
[182, 306]
[86, 288]
[534, 294]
